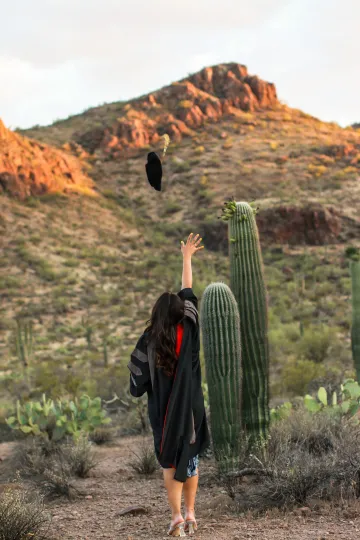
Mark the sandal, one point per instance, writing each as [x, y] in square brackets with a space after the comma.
[177, 530]
[191, 527]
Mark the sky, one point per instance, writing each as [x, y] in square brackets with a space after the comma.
[60, 57]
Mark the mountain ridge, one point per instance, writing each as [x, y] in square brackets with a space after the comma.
[177, 109]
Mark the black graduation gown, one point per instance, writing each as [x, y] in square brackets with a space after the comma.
[175, 404]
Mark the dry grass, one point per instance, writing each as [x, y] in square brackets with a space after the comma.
[308, 457]
[101, 436]
[144, 461]
[51, 467]
[79, 457]
[22, 515]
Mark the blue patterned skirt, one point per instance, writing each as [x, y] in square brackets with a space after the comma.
[192, 467]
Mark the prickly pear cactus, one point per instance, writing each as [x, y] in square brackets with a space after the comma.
[221, 344]
[56, 419]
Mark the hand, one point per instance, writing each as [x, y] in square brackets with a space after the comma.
[192, 245]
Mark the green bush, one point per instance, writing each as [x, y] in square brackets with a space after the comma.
[297, 374]
[317, 342]
[57, 419]
[283, 340]
[171, 207]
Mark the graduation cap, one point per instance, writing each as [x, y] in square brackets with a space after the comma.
[154, 170]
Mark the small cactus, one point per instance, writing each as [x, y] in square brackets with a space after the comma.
[221, 341]
[24, 341]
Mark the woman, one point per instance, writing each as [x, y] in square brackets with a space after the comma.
[166, 365]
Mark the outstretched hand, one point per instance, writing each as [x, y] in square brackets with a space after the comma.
[192, 245]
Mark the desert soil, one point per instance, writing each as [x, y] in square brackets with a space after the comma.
[113, 487]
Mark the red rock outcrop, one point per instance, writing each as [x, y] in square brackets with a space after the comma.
[313, 225]
[339, 151]
[29, 168]
[180, 108]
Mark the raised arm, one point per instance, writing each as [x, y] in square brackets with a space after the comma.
[192, 246]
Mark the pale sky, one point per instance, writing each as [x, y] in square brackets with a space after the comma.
[60, 57]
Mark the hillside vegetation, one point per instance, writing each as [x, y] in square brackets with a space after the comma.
[85, 270]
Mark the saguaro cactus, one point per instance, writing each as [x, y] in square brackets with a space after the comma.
[248, 286]
[353, 255]
[24, 341]
[221, 341]
[24, 344]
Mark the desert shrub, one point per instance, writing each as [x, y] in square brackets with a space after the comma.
[317, 342]
[41, 266]
[144, 461]
[180, 166]
[57, 419]
[297, 374]
[61, 305]
[31, 456]
[283, 339]
[317, 170]
[55, 481]
[101, 436]
[171, 207]
[50, 466]
[228, 144]
[136, 414]
[185, 104]
[22, 515]
[306, 456]
[6, 434]
[47, 378]
[205, 196]
[79, 456]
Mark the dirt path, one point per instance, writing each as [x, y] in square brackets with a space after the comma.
[113, 486]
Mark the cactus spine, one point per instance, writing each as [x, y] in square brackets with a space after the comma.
[354, 256]
[222, 351]
[248, 286]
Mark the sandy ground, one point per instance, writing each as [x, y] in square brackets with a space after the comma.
[113, 487]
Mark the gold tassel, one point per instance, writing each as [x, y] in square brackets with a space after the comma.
[166, 143]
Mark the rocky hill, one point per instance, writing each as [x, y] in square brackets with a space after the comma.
[85, 270]
[178, 109]
[29, 168]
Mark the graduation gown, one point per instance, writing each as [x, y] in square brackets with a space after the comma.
[175, 404]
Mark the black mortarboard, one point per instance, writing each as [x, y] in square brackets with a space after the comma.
[154, 170]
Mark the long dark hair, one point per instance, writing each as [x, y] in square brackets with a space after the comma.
[167, 312]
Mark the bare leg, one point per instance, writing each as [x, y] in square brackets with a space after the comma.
[174, 491]
[190, 489]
